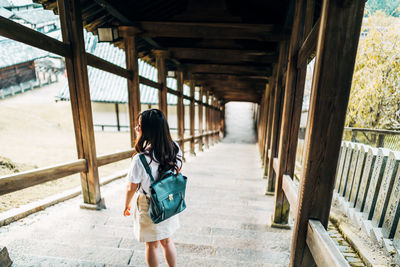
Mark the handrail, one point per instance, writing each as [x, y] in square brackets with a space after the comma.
[290, 191]
[323, 249]
[378, 131]
[14, 182]
[114, 157]
[18, 181]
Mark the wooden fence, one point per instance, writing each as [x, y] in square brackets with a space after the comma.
[367, 190]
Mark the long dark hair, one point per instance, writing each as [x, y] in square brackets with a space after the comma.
[156, 142]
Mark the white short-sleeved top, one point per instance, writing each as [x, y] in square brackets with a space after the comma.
[137, 173]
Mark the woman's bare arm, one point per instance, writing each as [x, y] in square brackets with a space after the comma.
[130, 191]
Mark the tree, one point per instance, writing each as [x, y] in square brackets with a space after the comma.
[375, 94]
[389, 7]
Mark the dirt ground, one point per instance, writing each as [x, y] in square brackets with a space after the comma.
[36, 131]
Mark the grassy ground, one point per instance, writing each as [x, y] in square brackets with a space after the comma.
[36, 131]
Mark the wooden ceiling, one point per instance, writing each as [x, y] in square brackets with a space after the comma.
[228, 46]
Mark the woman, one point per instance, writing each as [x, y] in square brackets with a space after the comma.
[162, 154]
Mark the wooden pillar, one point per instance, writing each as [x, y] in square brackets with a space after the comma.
[281, 209]
[180, 110]
[207, 122]
[133, 85]
[211, 119]
[78, 82]
[117, 115]
[191, 114]
[276, 118]
[223, 119]
[269, 128]
[162, 80]
[201, 107]
[335, 56]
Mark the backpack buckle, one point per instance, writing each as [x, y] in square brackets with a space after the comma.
[171, 197]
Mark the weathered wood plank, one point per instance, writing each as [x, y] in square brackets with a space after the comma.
[78, 81]
[358, 175]
[207, 118]
[291, 193]
[392, 215]
[20, 33]
[5, 260]
[114, 157]
[309, 45]
[18, 181]
[337, 46]
[323, 249]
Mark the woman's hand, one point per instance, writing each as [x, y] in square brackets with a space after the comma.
[127, 211]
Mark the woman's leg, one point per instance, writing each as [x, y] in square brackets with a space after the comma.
[169, 251]
[151, 254]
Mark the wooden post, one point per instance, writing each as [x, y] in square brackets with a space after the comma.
[207, 122]
[281, 213]
[276, 118]
[72, 32]
[133, 85]
[201, 106]
[269, 128]
[211, 119]
[336, 51]
[180, 111]
[117, 115]
[223, 119]
[192, 111]
[162, 80]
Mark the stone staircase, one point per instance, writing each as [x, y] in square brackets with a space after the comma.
[226, 222]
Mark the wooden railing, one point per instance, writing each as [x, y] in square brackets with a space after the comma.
[18, 181]
[367, 190]
[373, 137]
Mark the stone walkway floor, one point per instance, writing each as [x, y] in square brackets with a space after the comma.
[226, 223]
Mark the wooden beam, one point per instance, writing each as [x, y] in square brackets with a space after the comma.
[133, 85]
[18, 181]
[322, 247]
[230, 69]
[78, 82]
[114, 157]
[228, 77]
[271, 104]
[290, 192]
[191, 114]
[162, 79]
[261, 32]
[222, 55]
[309, 45]
[180, 110]
[23, 34]
[107, 66]
[337, 46]
[201, 107]
[148, 82]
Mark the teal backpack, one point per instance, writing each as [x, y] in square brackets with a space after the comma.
[167, 194]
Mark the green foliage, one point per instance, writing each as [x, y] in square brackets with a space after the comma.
[389, 7]
[375, 94]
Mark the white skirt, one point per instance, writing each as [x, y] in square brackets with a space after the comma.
[144, 229]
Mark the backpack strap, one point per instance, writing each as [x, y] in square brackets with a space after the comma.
[146, 166]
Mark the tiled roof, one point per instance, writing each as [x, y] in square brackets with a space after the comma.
[5, 13]
[13, 53]
[109, 88]
[36, 16]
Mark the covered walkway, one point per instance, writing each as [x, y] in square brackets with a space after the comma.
[227, 222]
